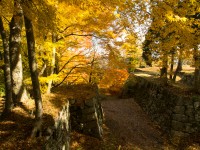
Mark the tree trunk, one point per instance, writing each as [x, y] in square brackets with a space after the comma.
[163, 71]
[57, 64]
[90, 77]
[7, 73]
[34, 74]
[43, 69]
[91, 69]
[15, 53]
[172, 65]
[52, 64]
[197, 70]
[179, 67]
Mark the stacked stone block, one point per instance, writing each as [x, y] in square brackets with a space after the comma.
[178, 113]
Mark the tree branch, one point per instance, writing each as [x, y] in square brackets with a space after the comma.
[76, 66]
[61, 31]
[75, 34]
[69, 61]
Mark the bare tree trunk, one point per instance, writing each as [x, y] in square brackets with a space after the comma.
[34, 75]
[179, 66]
[57, 65]
[197, 70]
[7, 73]
[43, 69]
[15, 53]
[91, 68]
[52, 64]
[172, 65]
[163, 71]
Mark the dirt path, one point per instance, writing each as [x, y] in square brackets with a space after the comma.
[131, 126]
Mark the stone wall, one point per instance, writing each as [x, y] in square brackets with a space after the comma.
[59, 134]
[87, 117]
[187, 78]
[177, 112]
[84, 115]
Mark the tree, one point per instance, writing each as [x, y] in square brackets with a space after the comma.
[52, 64]
[34, 75]
[168, 30]
[196, 55]
[15, 52]
[197, 70]
[7, 73]
[147, 53]
[179, 66]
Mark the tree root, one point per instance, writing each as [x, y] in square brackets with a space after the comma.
[37, 129]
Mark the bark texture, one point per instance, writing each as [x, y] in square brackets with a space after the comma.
[7, 73]
[172, 65]
[15, 52]
[197, 70]
[163, 71]
[52, 64]
[178, 69]
[33, 68]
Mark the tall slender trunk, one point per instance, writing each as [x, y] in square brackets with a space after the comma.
[57, 65]
[7, 73]
[163, 71]
[90, 77]
[91, 68]
[197, 70]
[33, 68]
[15, 52]
[52, 63]
[172, 65]
[43, 69]
[179, 66]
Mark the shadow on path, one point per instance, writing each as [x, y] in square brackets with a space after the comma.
[131, 126]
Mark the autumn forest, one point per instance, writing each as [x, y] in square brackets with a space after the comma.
[99, 74]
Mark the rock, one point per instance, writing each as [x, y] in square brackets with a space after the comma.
[89, 118]
[59, 138]
[189, 128]
[176, 137]
[180, 117]
[178, 126]
[90, 102]
[88, 110]
[196, 105]
[179, 109]
[189, 111]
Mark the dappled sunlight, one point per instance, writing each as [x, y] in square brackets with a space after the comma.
[143, 74]
[113, 81]
[130, 126]
[193, 147]
[138, 59]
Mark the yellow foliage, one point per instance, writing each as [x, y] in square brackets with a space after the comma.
[114, 79]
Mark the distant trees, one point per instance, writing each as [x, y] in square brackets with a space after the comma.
[58, 36]
[173, 33]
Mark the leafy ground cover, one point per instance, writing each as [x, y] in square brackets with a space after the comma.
[119, 131]
[126, 126]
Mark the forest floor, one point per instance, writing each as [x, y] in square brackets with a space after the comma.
[131, 127]
[126, 126]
